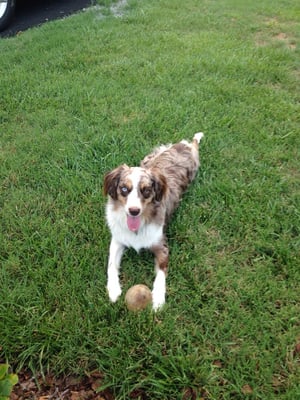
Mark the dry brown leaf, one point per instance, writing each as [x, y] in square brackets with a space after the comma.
[96, 384]
[75, 395]
[296, 351]
[247, 389]
[218, 364]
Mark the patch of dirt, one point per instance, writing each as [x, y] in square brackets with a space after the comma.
[260, 41]
[288, 41]
[68, 388]
[275, 32]
[263, 39]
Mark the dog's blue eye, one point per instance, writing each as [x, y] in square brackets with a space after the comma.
[124, 190]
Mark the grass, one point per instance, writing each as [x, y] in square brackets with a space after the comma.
[83, 95]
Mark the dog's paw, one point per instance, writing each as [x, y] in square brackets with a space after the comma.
[159, 290]
[114, 292]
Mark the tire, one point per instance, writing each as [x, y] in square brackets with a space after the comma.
[7, 9]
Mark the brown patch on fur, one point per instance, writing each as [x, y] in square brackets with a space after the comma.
[154, 213]
[151, 194]
[178, 164]
[161, 253]
[168, 170]
[180, 147]
[160, 185]
[156, 187]
[111, 181]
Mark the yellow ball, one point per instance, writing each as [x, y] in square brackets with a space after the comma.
[138, 297]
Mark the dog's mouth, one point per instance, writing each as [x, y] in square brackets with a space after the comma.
[133, 222]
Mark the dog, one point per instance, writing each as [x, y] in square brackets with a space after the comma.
[140, 203]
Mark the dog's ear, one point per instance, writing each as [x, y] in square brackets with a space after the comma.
[111, 182]
[159, 184]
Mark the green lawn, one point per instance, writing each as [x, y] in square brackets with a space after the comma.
[82, 95]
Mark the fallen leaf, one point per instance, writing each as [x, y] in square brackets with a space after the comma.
[247, 389]
[96, 374]
[189, 394]
[75, 395]
[296, 351]
[28, 385]
[218, 364]
[96, 384]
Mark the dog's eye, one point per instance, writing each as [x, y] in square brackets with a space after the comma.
[146, 192]
[124, 191]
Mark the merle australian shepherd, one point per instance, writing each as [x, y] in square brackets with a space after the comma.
[140, 203]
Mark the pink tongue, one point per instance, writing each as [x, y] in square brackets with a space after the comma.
[133, 223]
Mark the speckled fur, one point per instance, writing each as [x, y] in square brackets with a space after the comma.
[154, 191]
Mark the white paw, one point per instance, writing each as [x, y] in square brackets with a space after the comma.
[114, 291]
[159, 290]
[158, 300]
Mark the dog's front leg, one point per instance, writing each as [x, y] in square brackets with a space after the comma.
[161, 253]
[116, 251]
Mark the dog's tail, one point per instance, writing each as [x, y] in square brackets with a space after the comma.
[197, 137]
[195, 142]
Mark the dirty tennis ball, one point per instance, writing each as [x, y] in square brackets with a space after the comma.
[138, 297]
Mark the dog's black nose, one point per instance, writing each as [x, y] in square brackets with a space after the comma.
[134, 211]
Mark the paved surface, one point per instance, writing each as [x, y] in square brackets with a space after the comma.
[31, 13]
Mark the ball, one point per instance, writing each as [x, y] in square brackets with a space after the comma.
[138, 297]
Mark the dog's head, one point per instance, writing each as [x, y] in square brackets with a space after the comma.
[135, 189]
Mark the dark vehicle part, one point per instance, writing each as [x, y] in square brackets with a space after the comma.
[7, 9]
